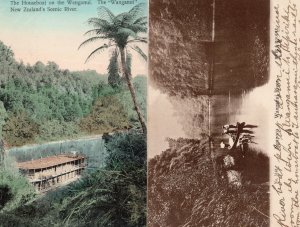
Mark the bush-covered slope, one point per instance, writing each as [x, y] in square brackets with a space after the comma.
[43, 102]
[183, 190]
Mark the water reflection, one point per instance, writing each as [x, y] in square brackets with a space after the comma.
[252, 107]
[174, 117]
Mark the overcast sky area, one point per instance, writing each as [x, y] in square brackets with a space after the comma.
[56, 36]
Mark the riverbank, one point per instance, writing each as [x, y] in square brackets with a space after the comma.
[183, 176]
[86, 137]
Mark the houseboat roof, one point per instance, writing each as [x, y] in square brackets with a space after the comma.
[48, 161]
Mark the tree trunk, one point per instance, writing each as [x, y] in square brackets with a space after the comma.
[132, 91]
[2, 153]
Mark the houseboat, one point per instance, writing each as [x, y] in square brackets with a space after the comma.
[46, 173]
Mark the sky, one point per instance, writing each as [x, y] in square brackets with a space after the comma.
[56, 36]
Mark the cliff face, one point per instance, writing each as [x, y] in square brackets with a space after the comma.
[183, 189]
[181, 54]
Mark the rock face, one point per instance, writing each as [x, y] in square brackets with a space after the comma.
[234, 178]
[228, 161]
[180, 51]
[182, 189]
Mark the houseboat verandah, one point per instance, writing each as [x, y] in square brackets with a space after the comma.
[45, 173]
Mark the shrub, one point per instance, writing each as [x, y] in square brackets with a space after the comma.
[107, 115]
[14, 185]
[20, 129]
[115, 195]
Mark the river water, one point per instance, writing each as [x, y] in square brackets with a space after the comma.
[252, 107]
[93, 148]
[169, 119]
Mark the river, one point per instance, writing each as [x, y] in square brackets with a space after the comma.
[92, 147]
[172, 117]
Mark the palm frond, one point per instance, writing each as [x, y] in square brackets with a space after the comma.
[90, 40]
[102, 26]
[126, 32]
[139, 51]
[133, 14]
[105, 14]
[137, 28]
[99, 49]
[97, 22]
[137, 11]
[141, 20]
[93, 31]
[138, 40]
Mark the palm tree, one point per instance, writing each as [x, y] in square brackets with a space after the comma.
[121, 32]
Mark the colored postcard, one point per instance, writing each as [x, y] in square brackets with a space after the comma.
[73, 91]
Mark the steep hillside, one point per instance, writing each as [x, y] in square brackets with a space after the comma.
[183, 189]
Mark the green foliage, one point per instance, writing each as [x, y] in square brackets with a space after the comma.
[6, 58]
[140, 86]
[121, 32]
[5, 195]
[128, 62]
[57, 130]
[3, 116]
[20, 129]
[114, 78]
[127, 152]
[115, 196]
[107, 115]
[15, 186]
[111, 196]
[15, 192]
[39, 67]
[51, 103]
[46, 97]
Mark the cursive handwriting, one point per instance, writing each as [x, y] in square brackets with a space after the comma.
[285, 165]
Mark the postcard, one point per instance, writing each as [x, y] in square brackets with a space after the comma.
[223, 113]
[73, 91]
[212, 139]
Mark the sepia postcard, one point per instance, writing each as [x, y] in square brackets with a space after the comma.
[223, 113]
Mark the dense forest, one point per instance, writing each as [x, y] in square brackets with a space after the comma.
[42, 102]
